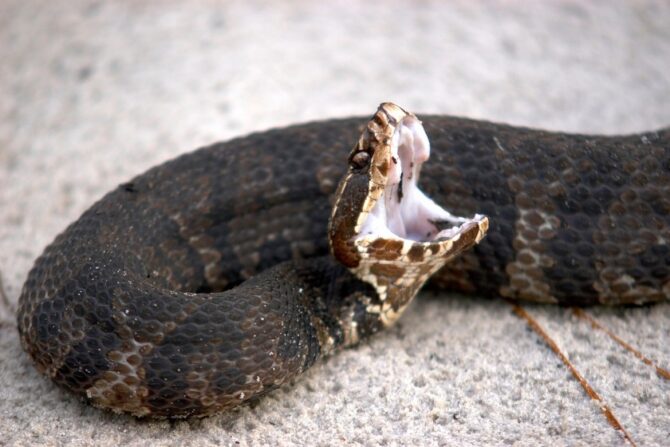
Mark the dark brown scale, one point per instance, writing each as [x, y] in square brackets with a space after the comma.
[580, 196]
[111, 306]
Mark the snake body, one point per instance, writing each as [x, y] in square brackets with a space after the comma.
[208, 280]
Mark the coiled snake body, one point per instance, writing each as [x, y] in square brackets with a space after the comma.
[209, 279]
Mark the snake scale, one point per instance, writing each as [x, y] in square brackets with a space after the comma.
[219, 275]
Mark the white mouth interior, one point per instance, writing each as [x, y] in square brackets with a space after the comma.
[404, 211]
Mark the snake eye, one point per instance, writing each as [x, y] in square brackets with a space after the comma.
[360, 160]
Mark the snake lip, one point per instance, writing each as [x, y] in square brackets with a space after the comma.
[402, 211]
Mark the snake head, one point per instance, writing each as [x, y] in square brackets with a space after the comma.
[383, 227]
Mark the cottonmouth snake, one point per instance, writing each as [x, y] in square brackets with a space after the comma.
[208, 280]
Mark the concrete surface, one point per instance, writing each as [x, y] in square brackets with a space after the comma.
[92, 93]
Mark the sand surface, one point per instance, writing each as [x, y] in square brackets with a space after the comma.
[92, 93]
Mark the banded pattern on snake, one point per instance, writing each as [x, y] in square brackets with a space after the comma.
[208, 280]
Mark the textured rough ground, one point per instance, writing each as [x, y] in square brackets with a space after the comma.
[93, 93]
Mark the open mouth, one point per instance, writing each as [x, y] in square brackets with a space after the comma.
[403, 211]
[383, 227]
